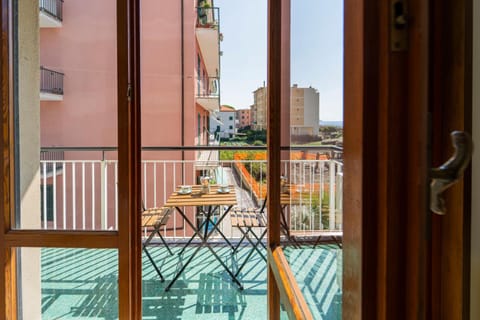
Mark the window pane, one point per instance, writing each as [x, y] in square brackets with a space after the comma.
[65, 99]
[57, 283]
[315, 171]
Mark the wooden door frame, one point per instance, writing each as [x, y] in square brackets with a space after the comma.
[385, 165]
[451, 108]
[400, 261]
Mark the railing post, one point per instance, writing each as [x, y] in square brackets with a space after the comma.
[103, 173]
[331, 203]
[339, 194]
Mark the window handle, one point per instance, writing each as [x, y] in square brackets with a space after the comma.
[451, 171]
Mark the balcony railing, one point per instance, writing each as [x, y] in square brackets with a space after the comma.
[208, 17]
[84, 193]
[53, 8]
[51, 81]
[208, 87]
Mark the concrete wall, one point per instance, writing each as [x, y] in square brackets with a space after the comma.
[475, 254]
[29, 148]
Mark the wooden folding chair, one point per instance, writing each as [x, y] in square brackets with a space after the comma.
[247, 221]
[153, 219]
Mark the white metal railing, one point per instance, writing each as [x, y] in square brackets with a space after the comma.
[83, 194]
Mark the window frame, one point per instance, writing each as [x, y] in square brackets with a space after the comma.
[127, 239]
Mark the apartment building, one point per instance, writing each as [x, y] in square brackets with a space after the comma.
[243, 118]
[258, 111]
[304, 110]
[224, 123]
[78, 107]
[78, 72]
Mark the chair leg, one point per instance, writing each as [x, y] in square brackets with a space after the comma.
[162, 279]
[241, 239]
[165, 243]
[255, 248]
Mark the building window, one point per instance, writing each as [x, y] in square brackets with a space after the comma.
[230, 118]
[230, 127]
[198, 125]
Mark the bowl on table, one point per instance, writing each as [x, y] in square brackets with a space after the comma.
[185, 189]
[224, 188]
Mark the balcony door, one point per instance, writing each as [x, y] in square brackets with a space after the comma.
[400, 262]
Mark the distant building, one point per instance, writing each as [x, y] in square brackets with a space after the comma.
[304, 110]
[258, 111]
[224, 123]
[243, 118]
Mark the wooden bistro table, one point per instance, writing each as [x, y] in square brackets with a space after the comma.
[208, 204]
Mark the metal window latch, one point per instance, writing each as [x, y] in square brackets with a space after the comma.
[398, 25]
[451, 171]
[129, 93]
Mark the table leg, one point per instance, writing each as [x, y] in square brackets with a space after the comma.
[182, 269]
[204, 239]
[215, 226]
[192, 226]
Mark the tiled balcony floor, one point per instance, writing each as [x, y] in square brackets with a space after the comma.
[82, 284]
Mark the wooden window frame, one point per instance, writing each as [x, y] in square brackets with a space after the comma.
[127, 239]
[381, 280]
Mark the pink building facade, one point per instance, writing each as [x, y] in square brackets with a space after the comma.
[180, 90]
[243, 118]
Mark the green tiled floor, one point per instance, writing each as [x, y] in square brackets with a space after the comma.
[82, 284]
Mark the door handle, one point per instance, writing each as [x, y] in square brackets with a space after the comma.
[451, 171]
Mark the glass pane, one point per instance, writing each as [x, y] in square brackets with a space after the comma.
[314, 182]
[58, 283]
[65, 97]
[196, 96]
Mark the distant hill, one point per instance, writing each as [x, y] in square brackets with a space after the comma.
[331, 123]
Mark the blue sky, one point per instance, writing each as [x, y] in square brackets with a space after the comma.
[316, 51]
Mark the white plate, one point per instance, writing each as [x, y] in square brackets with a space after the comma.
[224, 190]
[184, 192]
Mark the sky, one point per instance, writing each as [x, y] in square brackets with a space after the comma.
[316, 51]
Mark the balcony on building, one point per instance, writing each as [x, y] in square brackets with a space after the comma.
[51, 13]
[51, 85]
[208, 36]
[208, 93]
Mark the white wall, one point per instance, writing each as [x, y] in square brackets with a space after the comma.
[475, 254]
[224, 122]
[29, 142]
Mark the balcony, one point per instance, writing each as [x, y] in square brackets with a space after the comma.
[80, 181]
[51, 85]
[208, 93]
[70, 187]
[208, 37]
[51, 13]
